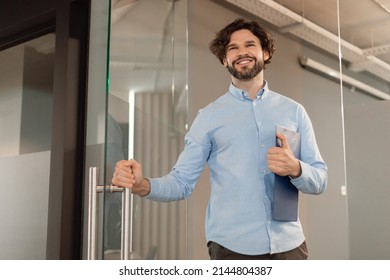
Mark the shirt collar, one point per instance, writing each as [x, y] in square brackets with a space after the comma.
[243, 95]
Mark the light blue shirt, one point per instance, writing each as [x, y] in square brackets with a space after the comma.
[232, 135]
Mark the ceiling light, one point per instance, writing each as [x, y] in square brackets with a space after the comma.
[328, 71]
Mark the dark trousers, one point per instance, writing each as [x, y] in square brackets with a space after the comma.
[218, 252]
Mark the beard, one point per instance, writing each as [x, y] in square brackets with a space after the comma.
[247, 73]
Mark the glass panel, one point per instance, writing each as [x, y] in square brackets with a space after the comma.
[147, 114]
[327, 216]
[366, 78]
[26, 96]
[307, 31]
[96, 118]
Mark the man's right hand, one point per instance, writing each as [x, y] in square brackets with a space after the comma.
[128, 174]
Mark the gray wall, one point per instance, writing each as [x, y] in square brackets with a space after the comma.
[35, 131]
[368, 167]
[324, 217]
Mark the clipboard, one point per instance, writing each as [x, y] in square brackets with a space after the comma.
[285, 205]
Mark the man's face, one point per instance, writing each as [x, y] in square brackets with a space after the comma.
[244, 55]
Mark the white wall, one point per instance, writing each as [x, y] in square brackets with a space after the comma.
[24, 206]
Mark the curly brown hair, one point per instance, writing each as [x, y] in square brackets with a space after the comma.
[222, 38]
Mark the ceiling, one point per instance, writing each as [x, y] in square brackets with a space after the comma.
[364, 23]
[144, 61]
[364, 32]
[364, 28]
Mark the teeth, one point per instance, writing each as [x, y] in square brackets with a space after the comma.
[244, 61]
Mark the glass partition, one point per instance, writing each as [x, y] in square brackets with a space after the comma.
[147, 108]
[348, 65]
[365, 48]
[352, 75]
[96, 128]
[26, 107]
[146, 120]
[324, 217]
[307, 42]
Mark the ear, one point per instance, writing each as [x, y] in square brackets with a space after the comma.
[265, 55]
[224, 62]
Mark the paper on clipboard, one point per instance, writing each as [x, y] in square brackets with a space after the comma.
[293, 139]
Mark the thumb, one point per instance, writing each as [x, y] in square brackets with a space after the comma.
[135, 166]
[282, 140]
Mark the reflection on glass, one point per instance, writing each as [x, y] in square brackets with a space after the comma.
[26, 88]
[148, 77]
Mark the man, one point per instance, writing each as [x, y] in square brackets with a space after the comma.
[236, 135]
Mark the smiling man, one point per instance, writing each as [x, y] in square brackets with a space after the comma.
[236, 137]
[243, 53]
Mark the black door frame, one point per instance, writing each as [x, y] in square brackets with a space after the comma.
[23, 20]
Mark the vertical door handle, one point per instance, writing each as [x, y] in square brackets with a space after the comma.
[92, 205]
[127, 224]
[127, 216]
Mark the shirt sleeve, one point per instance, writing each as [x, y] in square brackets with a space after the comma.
[313, 179]
[181, 181]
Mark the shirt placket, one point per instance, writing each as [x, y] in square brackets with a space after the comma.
[258, 114]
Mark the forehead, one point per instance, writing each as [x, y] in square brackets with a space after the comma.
[242, 35]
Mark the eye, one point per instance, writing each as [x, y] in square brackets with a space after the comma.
[231, 48]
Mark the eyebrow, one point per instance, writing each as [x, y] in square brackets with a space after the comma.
[246, 42]
[250, 41]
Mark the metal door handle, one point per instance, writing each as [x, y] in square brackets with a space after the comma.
[92, 201]
[127, 214]
[127, 224]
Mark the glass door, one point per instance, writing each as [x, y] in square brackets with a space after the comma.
[26, 103]
[366, 97]
[137, 109]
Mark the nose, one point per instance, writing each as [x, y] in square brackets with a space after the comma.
[242, 51]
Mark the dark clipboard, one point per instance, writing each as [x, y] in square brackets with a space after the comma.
[285, 205]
